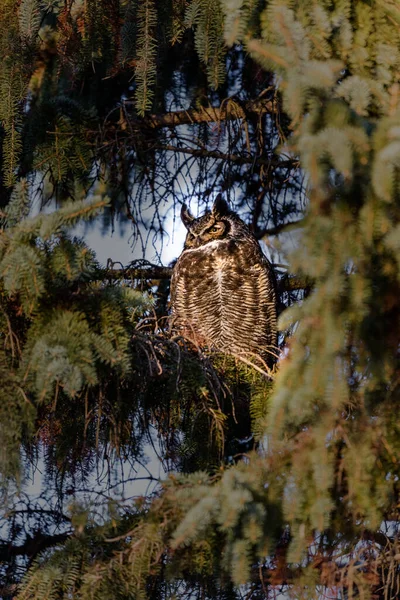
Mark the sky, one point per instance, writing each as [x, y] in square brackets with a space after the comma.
[118, 247]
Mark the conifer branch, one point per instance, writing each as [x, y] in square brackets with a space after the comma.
[150, 272]
[32, 546]
[29, 19]
[235, 158]
[282, 226]
[145, 69]
[228, 110]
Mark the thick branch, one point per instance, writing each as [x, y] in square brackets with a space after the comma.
[32, 546]
[139, 270]
[155, 272]
[228, 110]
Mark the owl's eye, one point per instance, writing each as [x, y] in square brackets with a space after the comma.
[216, 229]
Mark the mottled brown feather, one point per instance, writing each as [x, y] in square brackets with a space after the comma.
[223, 287]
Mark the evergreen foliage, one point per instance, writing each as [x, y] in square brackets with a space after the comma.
[114, 108]
[145, 69]
[205, 16]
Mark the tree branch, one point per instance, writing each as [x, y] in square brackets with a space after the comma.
[279, 228]
[155, 272]
[32, 546]
[141, 269]
[291, 283]
[241, 160]
[229, 109]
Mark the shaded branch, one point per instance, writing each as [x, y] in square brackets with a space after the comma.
[32, 546]
[148, 271]
[241, 160]
[139, 269]
[229, 109]
[291, 283]
[279, 228]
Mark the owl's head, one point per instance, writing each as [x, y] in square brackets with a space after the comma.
[221, 223]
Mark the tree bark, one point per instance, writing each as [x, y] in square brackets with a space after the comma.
[229, 109]
[156, 272]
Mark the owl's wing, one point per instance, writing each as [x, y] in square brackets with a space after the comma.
[273, 284]
[177, 286]
[174, 278]
[268, 294]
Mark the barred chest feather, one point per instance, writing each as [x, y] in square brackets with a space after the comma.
[223, 296]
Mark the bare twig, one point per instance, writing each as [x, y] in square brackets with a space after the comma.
[235, 158]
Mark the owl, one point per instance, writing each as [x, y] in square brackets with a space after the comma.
[223, 287]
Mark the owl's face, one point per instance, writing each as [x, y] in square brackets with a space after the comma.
[219, 224]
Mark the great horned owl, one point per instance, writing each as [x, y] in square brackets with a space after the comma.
[222, 288]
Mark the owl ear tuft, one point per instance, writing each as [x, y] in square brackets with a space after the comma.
[186, 216]
[220, 206]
